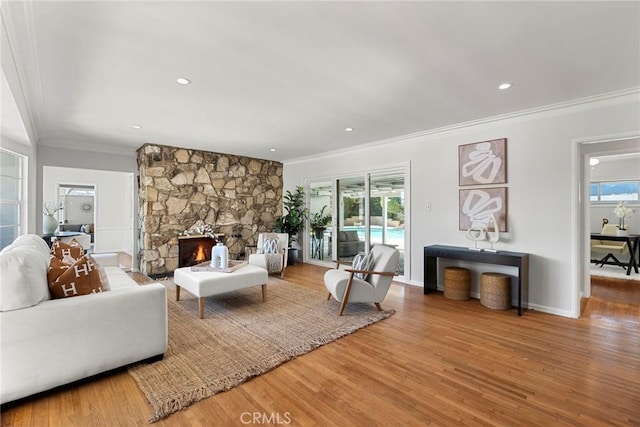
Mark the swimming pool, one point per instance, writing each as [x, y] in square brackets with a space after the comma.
[394, 235]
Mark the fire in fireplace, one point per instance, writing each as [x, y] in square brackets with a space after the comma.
[193, 250]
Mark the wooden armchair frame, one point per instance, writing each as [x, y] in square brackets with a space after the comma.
[347, 289]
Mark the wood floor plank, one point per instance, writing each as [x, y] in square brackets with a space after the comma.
[434, 362]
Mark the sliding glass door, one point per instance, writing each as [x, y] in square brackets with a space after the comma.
[320, 220]
[363, 210]
[352, 216]
[386, 212]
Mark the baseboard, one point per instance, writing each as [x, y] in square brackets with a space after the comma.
[550, 310]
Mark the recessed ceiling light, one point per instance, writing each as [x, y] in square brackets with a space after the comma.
[272, 149]
[348, 129]
[183, 81]
[136, 126]
[504, 86]
[594, 161]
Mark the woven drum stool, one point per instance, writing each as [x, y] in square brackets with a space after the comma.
[457, 283]
[495, 291]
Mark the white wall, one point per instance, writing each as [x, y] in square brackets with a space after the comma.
[113, 205]
[74, 213]
[541, 211]
[87, 160]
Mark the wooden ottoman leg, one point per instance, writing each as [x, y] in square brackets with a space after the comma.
[264, 293]
[177, 293]
[201, 307]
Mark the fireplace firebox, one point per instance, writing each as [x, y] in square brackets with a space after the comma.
[193, 250]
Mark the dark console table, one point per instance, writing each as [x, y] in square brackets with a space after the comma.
[49, 237]
[512, 259]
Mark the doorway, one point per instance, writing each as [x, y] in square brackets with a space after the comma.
[78, 210]
[610, 174]
[113, 208]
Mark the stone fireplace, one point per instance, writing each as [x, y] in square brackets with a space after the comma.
[239, 196]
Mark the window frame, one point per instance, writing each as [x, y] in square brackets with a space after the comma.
[599, 183]
[20, 202]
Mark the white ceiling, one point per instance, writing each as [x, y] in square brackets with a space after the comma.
[294, 75]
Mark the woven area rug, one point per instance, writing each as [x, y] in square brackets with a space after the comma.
[239, 338]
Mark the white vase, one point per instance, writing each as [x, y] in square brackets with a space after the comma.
[49, 224]
[621, 233]
[220, 256]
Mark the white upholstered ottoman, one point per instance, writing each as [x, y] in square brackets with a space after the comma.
[203, 284]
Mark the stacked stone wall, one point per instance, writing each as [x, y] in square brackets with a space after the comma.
[239, 196]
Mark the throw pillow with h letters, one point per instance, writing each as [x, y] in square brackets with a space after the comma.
[80, 278]
[62, 250]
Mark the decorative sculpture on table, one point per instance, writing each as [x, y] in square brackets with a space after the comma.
[478, 232]
[493, 237]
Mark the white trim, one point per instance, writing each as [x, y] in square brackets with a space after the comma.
[22, 55]
[580, 239]
[548, 310]
[401, 167]
[23, 196]
[616, 97]
[103, 146]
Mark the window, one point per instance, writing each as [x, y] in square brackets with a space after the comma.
[11, 196]
[614, 191]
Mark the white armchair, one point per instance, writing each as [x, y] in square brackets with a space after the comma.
[265, 254]
[345, 287]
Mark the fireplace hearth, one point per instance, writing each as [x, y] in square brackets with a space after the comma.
[193, 250]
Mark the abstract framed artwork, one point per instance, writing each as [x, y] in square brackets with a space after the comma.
[483, 162]
[478, 204]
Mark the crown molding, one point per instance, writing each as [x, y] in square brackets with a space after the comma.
[20, 63]
[107, 147]
[621, 96]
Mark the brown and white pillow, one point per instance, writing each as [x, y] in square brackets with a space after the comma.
[81, 278]
[56, 268]
[62, 250]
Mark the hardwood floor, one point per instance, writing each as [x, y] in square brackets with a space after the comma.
[435, 362]
[617, 290]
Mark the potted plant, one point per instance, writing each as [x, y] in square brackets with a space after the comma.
[319, 222]
[623, 213]
[293, 219]
[49, 222]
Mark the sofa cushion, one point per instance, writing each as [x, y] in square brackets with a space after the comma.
[23, 278]
[118, 279]
[34, 242]
[82, 278]
[62, 250]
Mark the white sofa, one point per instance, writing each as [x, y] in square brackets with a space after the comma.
[46, 343]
